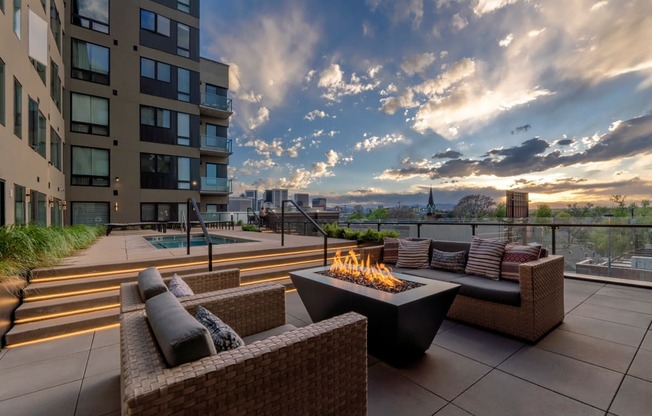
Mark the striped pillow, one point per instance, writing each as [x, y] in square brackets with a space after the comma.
[485, 257]
[390, 250]
[413, 254]
[514, 256]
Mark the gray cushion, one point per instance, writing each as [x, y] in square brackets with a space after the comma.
[180, 337]
[429, 274]
[270, 332]
[178, 287]
[499, 291]
[150, 283]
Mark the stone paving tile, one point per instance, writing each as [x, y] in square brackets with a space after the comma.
[106, 337]
[647, 341]
[58, 400]
[620, 316]
[633, 398]
[43, 351]
[633, 293]
[573, 300]
[621, 303]
[103, 359]
[452, 410]
[581, 286]
[642, 366]
[99, 395]
[609, 331]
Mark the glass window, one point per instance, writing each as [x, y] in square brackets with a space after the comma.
[36, 128]
[152, 116]
[55, 24]
[183, 5]
[183, 129]
[90, 62]
[163, 72]
[55, 149]
[56, 213]
[2, 92]
[91, 14]
[183, 173]
[154, 70]
[163, 25]
[90, 166]
[37, 208]
[38, 43]
[18, 108]
[151, 163]
[17, 17]
[90, 213]
[183, 40]
[19, 205]
[183, 84]
[90, 114]
[154, 22]
[55, 84]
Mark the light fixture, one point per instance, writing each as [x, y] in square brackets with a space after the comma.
[63, 205]
[51, 201]
[28, 194]
[115, 206]
[117, 179]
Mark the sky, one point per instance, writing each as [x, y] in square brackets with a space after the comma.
[372, 102]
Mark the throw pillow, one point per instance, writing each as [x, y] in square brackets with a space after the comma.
[390, 250]
[178, 287]
[485, 257]
[450, 261]
[514, 256]
[413, 254]
[150, 283]
[223, 336]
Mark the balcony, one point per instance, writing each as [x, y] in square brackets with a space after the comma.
[216, 146]
[215, 186]
[217, 106]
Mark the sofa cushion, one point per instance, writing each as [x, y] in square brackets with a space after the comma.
[485, 256]
[390, 250]
[270, 332]
[178, 287]
[498, 291]
[442, 275]
[224, 337]
[413, 254]
[180, 337]
[451, 261]
[150, 283]
[514, 256]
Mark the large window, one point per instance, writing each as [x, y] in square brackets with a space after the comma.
[55, 84]
[159, 212]
[90, 213]
[154, 22]
[154, 70]
[150, 163]
[183, 40]
[18, 108]
[183, 129]
[55, 24]
[38, 208]
[183, 84]
[17, 17]
[90, 166]
[91, 14]
[152, 116]
[90, 114]
[36, 128]
[183, 172]
[19, 205]
[2, 92]
[55, 149]
[183, 5]
[90, 62]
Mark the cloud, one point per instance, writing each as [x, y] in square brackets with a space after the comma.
[367, 30]
[448, 154]
[417, 64]
[374, 142]
[400, 11]
[261, 117]
[458, 22]
[506, 40]
[335, 86]
[391, 104]
[314, 114]
[488, 6]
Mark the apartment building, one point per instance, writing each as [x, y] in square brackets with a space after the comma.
[143, 123]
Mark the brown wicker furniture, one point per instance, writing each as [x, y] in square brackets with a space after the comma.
[201, 283]
[320, 369]
[541, 291]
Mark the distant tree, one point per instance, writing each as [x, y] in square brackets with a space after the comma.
[474, 206]
[501, 211]
[403, 213]
[621, 208]
[358, 213]
[644, 211]
[578, 211]
[379, 214]
[543, 211]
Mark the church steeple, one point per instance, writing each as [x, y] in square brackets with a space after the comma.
[430, 208]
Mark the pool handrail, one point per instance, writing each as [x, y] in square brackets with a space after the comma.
[191, 203]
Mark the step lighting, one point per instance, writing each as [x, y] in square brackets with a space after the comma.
[68, 313]
[69, 334]
[64, 294]
[271, 279]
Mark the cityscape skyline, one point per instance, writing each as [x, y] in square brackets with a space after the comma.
[373, 102]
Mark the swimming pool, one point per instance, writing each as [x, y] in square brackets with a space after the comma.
[196, 240]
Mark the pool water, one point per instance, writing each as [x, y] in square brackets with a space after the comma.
[196, 240]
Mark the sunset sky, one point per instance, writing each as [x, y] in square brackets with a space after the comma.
[372, 102]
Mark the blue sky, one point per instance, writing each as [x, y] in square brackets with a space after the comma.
[372, 102]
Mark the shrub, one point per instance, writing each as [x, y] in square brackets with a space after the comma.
[250, 227]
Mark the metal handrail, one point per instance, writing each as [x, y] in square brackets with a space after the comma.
[192, 204]
[314, 223]
[251, 212]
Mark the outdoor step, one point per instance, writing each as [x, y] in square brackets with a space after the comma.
[75, 286]
[44, 309]
[60, 326]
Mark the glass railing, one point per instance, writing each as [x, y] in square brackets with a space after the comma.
[218, 102]
[215, 185]
[216, 143]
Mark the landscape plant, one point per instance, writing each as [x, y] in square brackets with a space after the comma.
[250, 227]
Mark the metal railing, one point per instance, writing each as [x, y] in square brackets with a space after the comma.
[218, 102]
[216, 143]
[191, 204]
[319, 229]
[211, 184]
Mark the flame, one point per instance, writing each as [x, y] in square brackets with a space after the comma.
[349, 265]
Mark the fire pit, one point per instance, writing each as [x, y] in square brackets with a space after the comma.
[401, 326]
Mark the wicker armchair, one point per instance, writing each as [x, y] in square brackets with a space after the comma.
[320, 369]
[200, 283]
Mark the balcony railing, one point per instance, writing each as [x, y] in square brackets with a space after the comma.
[216, 143]
[216, 185]
[218, 102]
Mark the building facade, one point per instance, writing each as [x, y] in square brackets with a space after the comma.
[302, 200]
[140, 126]
[319, 203]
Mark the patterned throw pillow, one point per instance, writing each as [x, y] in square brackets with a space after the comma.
[223, 336]
[485, 257]
[514, 256]
[413, 254]
[449, 261]
[178, 287]
[390, 250]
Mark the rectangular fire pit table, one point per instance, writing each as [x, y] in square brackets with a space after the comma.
[401, 326]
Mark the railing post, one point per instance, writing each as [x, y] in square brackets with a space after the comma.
[554, 238]
[378, 225]
[473, 227]
[282, 223]
[419, 229]
[188, 227]
[210, 256]
[325, 250]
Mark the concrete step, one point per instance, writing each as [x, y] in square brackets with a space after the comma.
[50, 308]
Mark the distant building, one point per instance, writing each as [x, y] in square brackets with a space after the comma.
[319, 203]
[302, 200]
[253, 195]
[517, 204]
[278, 196]
[430, 208]
[239, 204]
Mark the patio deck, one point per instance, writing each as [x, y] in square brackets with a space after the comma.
[597, 362]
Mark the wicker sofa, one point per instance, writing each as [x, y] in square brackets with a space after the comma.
[539, 294]
[201, 283]
[301, 371]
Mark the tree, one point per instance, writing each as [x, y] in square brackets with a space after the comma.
[621, 208]
[543, 211]
[358, 213]
[501, 211]
[474, 206]
[403, 213]
[379, 214]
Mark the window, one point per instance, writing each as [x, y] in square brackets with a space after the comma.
[152, 116]
[90, 166]
[55, 149]
[216, 170]
[55, 84]
[2, 92]
[38, 43]
[183, 129]
[183, 5]
[90, 114]
[36, 128]
[183, 40]
[183, 172]
[154, 70]
[17, 17]
[19, 205]
[91, 14]
[90, 213]
[158, 212]
[183, 84]
[56, 213]
[55, 24]
[154, 23]
[37, 208]
[18, 108]
[150, 163]
[90, 62]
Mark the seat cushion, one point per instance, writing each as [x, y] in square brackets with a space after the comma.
[514, 256]
[178, 287]
[150, 283]
[180, 337]
[498, 291]
[454, 261]
[223, 336]
[485, 256]
[413, 254]
[270, 332]
[442, 275]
